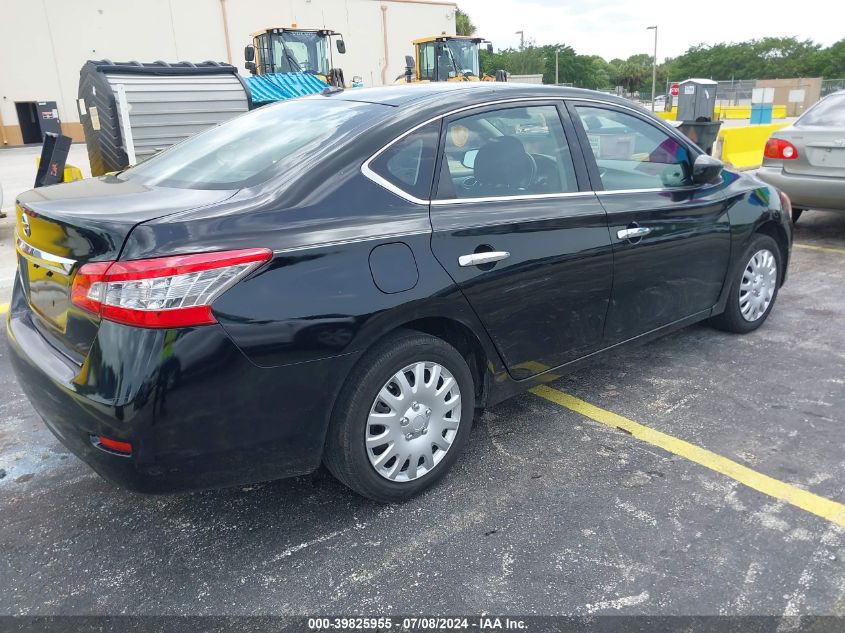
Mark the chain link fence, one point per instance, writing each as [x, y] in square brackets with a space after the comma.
[730, 92]
[832, 85]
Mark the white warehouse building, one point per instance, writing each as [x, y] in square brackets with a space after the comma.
[44, 44]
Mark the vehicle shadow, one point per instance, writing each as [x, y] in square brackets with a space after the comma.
[820, 228]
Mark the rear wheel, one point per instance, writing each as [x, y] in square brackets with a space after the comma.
[796, 213]
[402, 418]
[754, 288]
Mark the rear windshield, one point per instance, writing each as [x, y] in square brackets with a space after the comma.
[256, 146]
[829, 112]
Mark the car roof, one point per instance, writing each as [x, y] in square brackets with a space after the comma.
[465, 92]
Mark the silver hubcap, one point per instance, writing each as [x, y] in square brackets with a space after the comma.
[757, 288]
[413, 421]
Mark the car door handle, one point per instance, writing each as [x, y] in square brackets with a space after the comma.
[633, 233]
[477, 259]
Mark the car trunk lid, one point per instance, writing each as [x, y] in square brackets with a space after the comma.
[821, 151]
[61, 228]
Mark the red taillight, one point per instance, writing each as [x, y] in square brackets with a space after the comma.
[124, 448]
[779, 148]
[163, 292]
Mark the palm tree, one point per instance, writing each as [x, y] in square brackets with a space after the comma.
[463, 24]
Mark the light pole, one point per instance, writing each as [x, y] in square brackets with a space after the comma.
[653, 67]
[557, 79]
[521, 39]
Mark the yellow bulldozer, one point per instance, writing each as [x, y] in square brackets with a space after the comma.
[447, 58]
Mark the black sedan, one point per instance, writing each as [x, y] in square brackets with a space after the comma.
[350, 277]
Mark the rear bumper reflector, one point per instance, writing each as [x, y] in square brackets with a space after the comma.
[115, 446]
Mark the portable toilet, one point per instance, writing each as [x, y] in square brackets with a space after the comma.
[696, 111]
[696, 100]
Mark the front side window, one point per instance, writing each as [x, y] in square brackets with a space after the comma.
[409, 163]
[508, 152]
[633, 154]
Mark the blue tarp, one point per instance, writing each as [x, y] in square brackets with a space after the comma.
[279, 86]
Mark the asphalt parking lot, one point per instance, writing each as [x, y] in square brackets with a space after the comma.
[548, 511]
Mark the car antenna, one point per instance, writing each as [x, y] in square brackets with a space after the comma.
[330, 90]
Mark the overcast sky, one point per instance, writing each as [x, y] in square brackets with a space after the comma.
[617, 28]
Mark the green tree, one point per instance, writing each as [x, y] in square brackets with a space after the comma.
[614, 69]
[766, 58]
[525, 61]
[598, 77]
[585, 71]
[566, 63]
[634, 74]
[463, 23]
[832, 61]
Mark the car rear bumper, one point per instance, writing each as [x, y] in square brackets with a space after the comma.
[807, 192]
[197, 413]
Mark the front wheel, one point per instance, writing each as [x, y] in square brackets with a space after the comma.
[754, 288]
[402, 418]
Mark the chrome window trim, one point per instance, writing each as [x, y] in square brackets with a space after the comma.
[528, 196]
[367, 171]
[56, 263]
[612, 192]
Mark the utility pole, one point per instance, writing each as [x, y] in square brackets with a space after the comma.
[653, 67]
[557, 79]
[521, 39]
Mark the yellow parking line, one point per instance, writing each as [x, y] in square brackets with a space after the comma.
[824, 249]
[820, 506]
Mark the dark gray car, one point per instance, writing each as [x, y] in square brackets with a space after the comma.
[807, 159]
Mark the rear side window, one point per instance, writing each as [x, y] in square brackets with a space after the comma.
[829, 112]
[514, 151]
[409, 163]
[254, 147]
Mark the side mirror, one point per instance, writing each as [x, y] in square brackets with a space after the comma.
[341, 46]
[250, 66]
[249, 53]
[490, 47]
[410, 64]
[707, 170]
[469, 158]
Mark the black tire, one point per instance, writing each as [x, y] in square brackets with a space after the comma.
[731, 320]
[336, 78]
[345, 452]
[796, 213]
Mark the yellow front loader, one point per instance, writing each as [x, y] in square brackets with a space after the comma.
[293, 51]
[447, 58]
